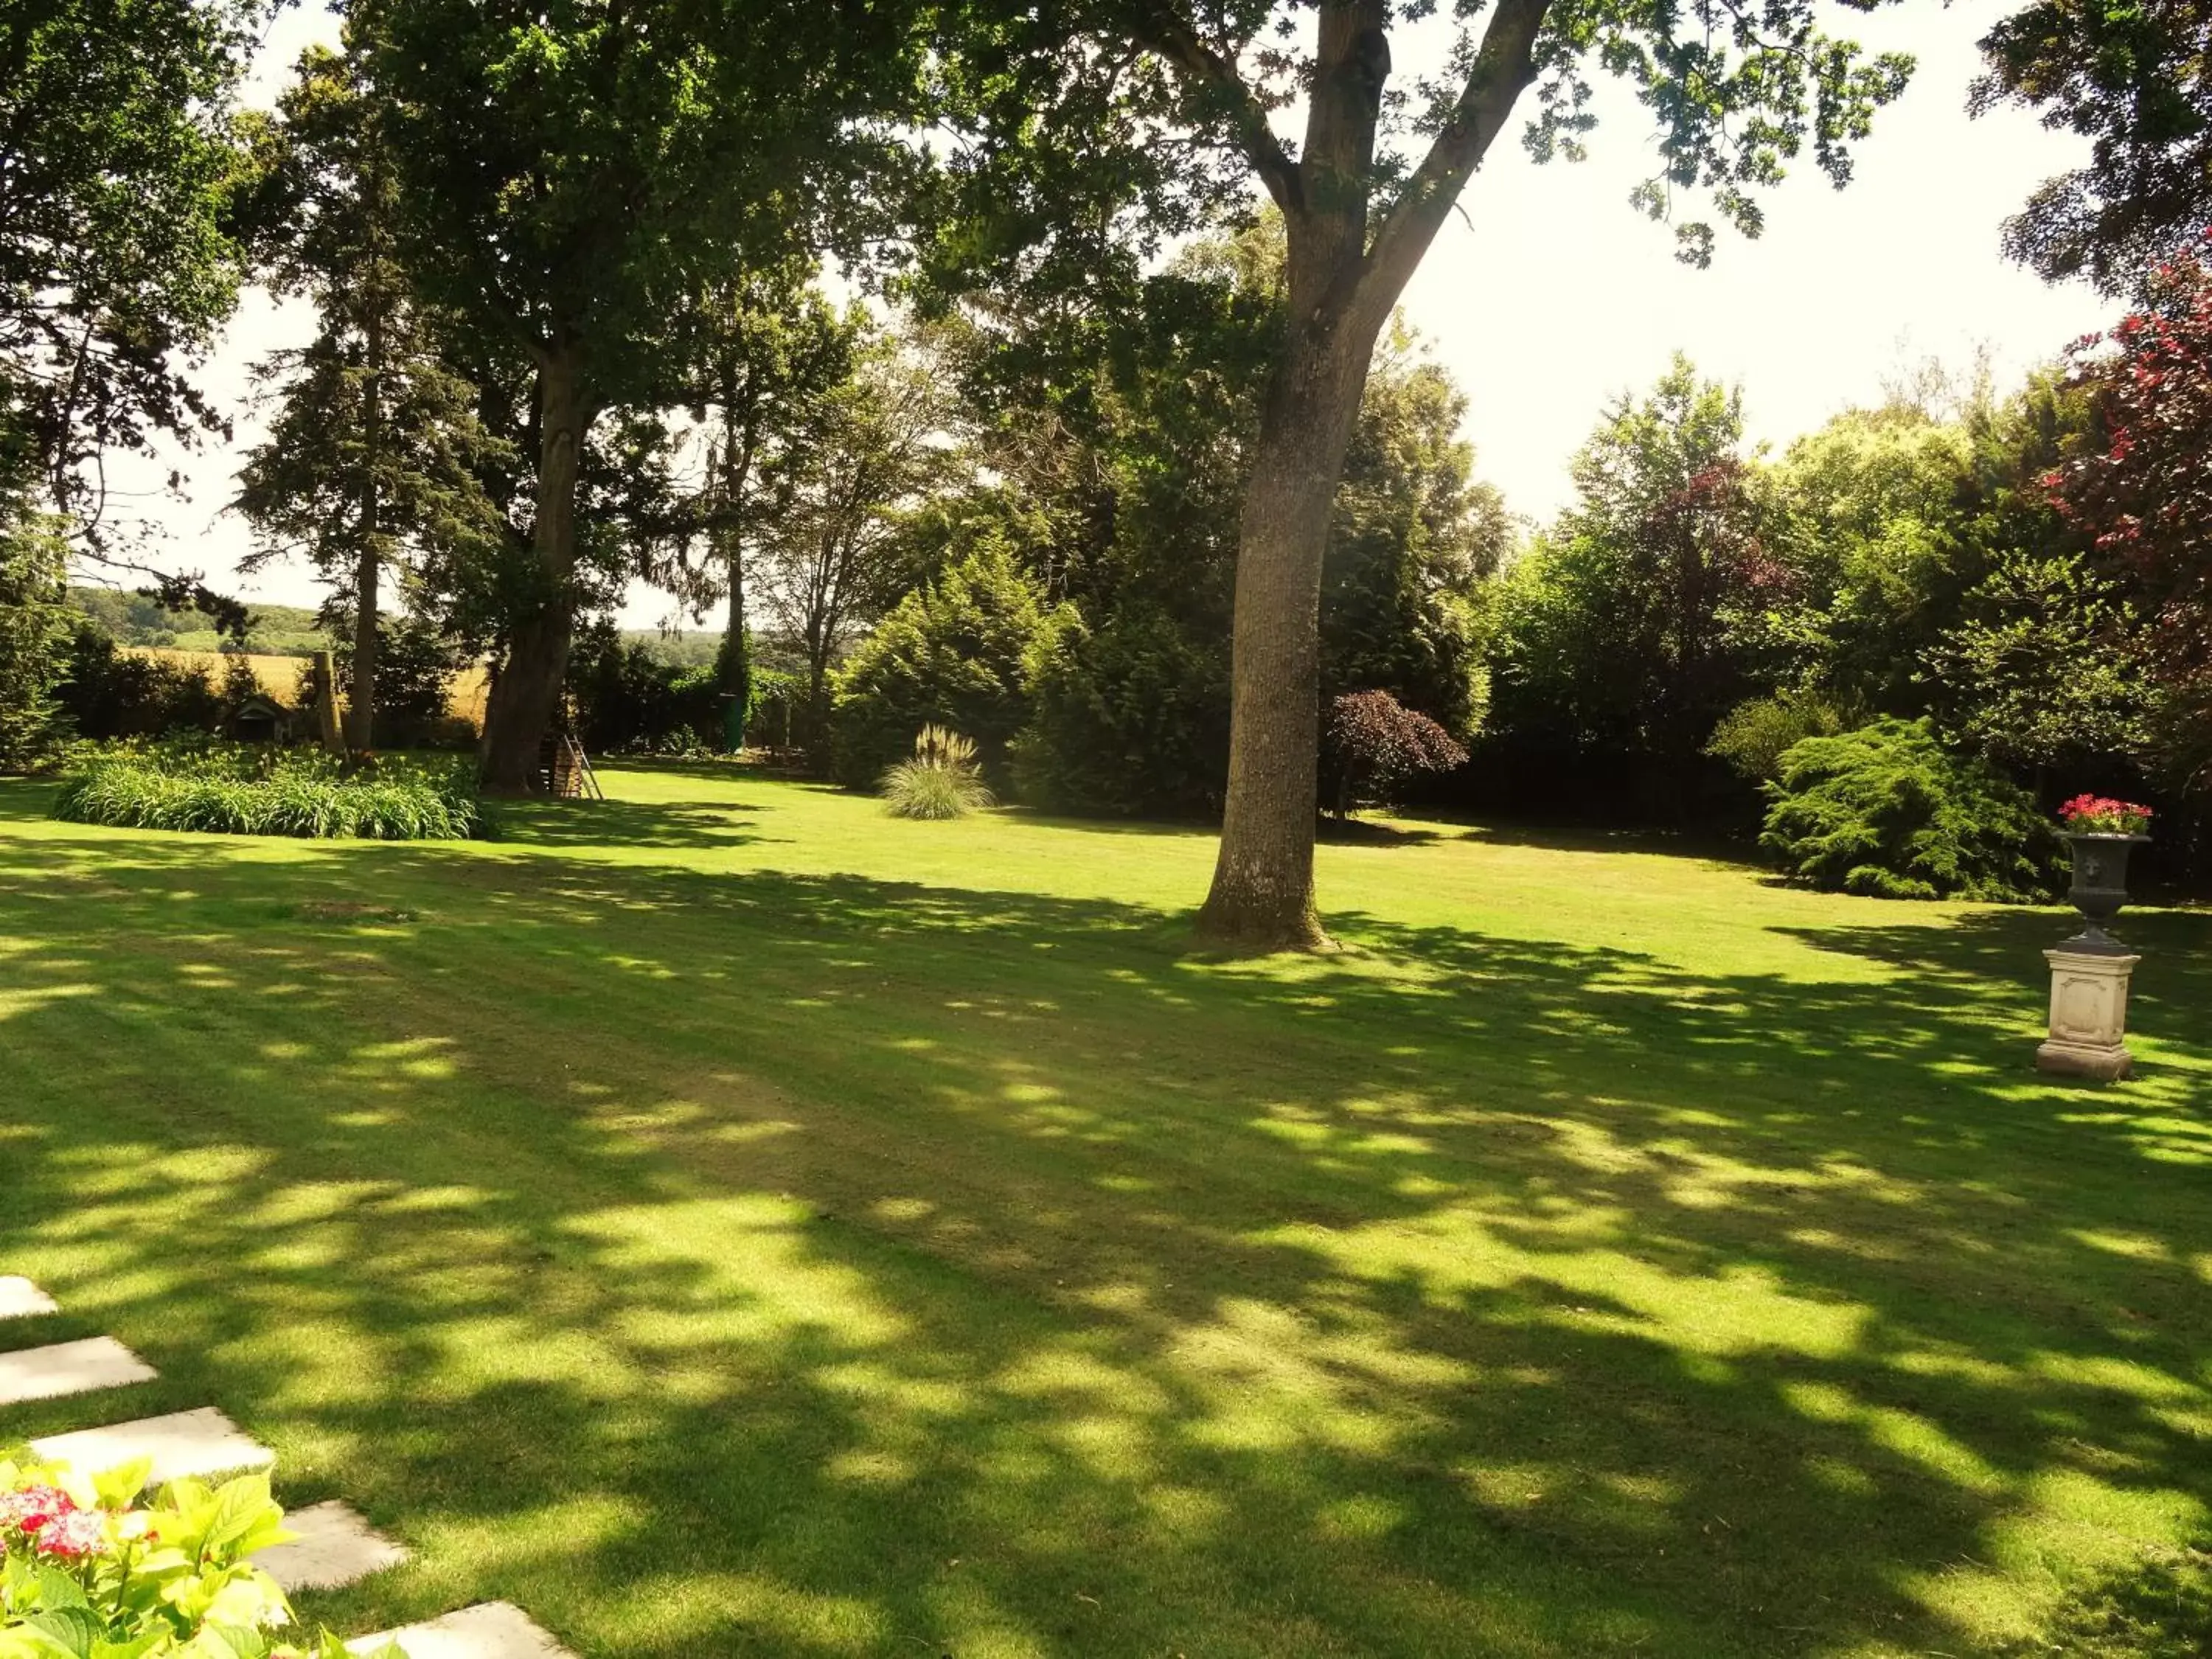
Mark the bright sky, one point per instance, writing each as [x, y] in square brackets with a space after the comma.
[1552, 295]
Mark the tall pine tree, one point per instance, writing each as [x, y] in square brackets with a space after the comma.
[372, 456]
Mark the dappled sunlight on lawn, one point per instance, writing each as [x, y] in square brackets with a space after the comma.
[719, 1255]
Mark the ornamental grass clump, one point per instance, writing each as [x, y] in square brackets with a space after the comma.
[235, 789]
[98, 1568]
[942, 780]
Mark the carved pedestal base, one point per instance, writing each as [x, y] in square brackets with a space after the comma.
[2088, 1015]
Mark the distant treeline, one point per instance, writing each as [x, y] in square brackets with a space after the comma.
[291, 631]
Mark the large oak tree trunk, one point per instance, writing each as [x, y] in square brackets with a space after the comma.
[1345, 273]
[1262, 897]
[527, 691]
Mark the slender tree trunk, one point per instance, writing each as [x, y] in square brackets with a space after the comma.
[527, 692]
[360, 708]
[737, 655]
[1262, 897]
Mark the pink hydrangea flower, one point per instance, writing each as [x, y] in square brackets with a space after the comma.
[79, 1532]
[33, 1507]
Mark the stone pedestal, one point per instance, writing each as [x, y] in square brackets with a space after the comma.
[2088, 1015]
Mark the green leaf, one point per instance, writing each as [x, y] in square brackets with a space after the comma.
[118, 1487]
[70, 1630]
[56, 1589]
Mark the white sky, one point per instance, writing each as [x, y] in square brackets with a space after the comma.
[1552, 295]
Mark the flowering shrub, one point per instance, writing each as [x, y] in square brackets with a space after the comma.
[2100, 815]
[94, 1568]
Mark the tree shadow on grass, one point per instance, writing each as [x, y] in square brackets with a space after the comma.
[671, 826]
[762, 1264]
[1705, 847]
[27, 801]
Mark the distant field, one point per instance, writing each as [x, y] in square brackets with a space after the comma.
[279, 677]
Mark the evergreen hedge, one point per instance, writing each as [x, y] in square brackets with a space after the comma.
[1887, 810]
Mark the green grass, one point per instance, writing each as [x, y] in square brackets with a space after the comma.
[729, 1221]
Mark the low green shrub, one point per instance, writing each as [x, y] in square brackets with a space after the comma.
[1887, 812]
[1752, 737]
[941, 781]
[1129, 719]
[237, 789]
[629, 700]
[96, 1566]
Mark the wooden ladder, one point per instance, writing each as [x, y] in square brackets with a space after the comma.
[565, 770]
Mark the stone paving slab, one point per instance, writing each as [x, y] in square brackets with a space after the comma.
[98, 1362]
[490, 1630]
[196, 1442]
[19, 1298]
[335, 1546]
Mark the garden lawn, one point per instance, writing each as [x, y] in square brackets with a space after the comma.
[728, 1221]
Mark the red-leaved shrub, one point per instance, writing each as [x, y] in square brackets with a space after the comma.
[1373, 744]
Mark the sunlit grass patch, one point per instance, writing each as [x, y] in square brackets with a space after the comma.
[726, 1220]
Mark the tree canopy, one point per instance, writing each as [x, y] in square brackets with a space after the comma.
[576, 176]
[1109, 121]
[2135, 81]
[125, 175]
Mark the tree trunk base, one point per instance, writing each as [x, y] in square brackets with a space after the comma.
[1249, 925]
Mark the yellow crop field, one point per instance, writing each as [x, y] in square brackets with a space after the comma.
[279, 677]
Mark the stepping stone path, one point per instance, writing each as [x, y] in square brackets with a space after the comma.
[335, 1546]
[201, 1442]
[490, 1630]
[19, 1298]
[69, 1368]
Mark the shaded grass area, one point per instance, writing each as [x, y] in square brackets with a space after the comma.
[674, 1221]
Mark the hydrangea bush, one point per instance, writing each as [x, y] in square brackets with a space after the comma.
[96, 1568]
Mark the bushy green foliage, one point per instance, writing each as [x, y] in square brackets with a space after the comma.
[235, 789]
[34, 639]
[1646, 611]
[2054, 664]
[93, 1567]
[628, 698]
[1755, 735]
[110, 693]
[942, 780]
[1132, 719]
[415, 669]
[1875, 513]
[958, 652]
[1117, 447]
[1413, 542]
[1887, 810]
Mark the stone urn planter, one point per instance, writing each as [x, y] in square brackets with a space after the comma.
[2090, 972]
[2100, 886]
